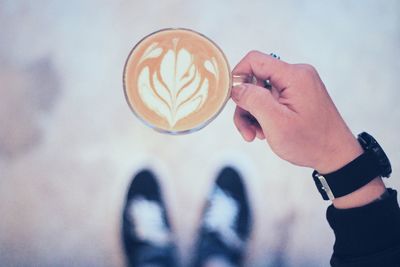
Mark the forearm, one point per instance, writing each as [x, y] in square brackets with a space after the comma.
[366, 222]
[368, 235]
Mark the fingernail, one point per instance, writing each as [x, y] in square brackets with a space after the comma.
[236, 91]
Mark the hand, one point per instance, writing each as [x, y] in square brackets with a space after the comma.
[298, 119]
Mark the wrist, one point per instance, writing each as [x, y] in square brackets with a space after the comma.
[340, 154]
[353, 177]
[361, 197]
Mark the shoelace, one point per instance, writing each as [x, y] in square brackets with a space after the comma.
[149, 223]
[221, 216]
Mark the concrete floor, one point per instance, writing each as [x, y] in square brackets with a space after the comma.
[69, 143]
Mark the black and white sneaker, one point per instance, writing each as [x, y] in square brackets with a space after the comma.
[226, 222]
[146, 232]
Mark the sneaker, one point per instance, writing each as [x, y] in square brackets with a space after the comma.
[226, 221]
[146, 232]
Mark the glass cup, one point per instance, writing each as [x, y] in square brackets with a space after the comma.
[138, 90]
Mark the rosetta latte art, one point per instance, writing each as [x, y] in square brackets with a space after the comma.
[179, 85]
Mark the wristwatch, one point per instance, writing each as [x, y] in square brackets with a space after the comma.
[359, 172]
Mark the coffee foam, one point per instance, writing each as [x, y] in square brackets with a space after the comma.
[180, 77]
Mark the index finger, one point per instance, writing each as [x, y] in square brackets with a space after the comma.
[264, 67]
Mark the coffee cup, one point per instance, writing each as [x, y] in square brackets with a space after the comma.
[177, 80]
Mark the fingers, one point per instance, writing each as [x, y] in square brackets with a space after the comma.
[258, 101]
[243, 124]
[264, 67]
[260, 134]
[247, 125]
[257, 106]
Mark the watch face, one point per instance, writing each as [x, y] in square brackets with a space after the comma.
[370, 144]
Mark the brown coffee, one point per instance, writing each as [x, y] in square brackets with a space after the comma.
[176, 80]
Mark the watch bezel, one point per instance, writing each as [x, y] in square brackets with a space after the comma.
[369, 143]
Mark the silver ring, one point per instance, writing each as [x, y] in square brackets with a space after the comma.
[275, 56]
[248, 78]
[267, 83]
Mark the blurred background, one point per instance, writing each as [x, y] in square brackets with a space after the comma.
[69, 144]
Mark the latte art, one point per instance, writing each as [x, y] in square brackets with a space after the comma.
[178, 87]
[181, 80]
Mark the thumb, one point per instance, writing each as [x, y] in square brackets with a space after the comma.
[258, 101]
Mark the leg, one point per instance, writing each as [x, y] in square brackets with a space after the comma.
[226, 223]
[146, 232]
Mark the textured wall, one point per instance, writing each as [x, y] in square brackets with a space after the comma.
[69, 144]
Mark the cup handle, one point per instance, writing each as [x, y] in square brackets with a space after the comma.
[238, 79]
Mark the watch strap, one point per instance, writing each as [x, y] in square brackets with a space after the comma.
[349, 178]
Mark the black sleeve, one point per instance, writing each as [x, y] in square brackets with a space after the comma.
[367, 236]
